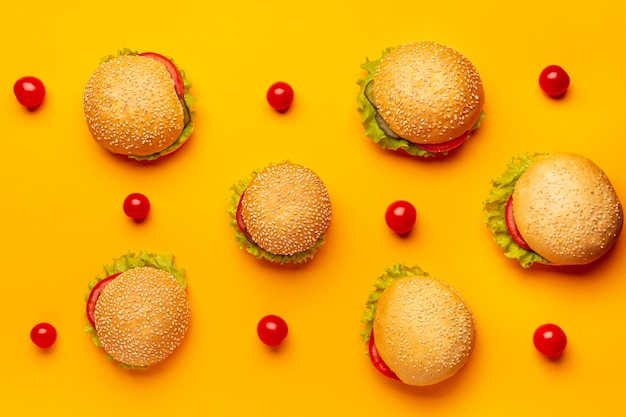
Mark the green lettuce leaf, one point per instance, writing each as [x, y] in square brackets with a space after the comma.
[494, 208]
[189, 100]
[130, 261]
[381, 284]
[368, 116]
[252, 248]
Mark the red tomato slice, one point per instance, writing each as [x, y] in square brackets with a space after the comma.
[512, 227]
[446, 146]
[377, 361]
[93, 297]
[171, 68]
[239, 217]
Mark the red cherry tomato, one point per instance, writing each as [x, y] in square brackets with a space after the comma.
[401, 216]
[29, 92]
[280, 96]
[553, 80]
[550, 340]
[43, 335]
[137, 206]
[272, 330]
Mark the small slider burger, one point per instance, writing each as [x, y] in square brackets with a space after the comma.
[138, 311]
[281, 213]
[423, 98]
[554, 208]
[138, 105]
[418, 329]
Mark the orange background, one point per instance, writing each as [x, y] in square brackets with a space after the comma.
[63, 219]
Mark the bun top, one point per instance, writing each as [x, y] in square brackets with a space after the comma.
[566, 209]
[142, 316]
[286, 208]
[428, 93]
[423, 330]
[131, 106]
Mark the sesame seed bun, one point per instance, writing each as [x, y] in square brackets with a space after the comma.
[142, 316]
[131, 106]
[567, 210]
[286, 209]
[424, 330]
[428, 93]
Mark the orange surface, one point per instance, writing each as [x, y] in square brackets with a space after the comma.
[62, 215]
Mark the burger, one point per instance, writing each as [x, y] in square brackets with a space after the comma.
[554, 208]
[418, 329]
[138, 311]
[281, 213]
[423, 98]
[139, 105]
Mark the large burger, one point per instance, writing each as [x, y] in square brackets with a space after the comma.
[281, 213]
[423, 98]
[554, 208]
[139, 105]
[138, 311]
[418, 329]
